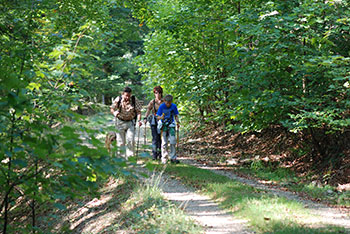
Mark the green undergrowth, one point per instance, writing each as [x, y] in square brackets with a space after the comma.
[287, 178]
[266, 213]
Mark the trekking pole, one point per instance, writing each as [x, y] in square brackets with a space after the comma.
[144, 135]
[177, 139]
[161, 130]
[138, 140]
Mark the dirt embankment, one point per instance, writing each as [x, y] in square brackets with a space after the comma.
[276, 147]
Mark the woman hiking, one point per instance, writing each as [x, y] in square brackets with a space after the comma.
[151, 112]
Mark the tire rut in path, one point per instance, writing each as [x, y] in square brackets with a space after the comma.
[327, 215]
[201, 208]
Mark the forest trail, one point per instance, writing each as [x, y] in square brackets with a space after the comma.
[200, 208]
[207, 212]
[176, 192]
[327, 215]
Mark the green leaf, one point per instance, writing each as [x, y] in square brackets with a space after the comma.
[33, 86]
[19, 162]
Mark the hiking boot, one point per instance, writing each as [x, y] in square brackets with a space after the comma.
[174, 161]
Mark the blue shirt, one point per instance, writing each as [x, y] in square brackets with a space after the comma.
[169, 112]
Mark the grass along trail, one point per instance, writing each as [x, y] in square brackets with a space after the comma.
[200, 208]
[307, 217]
[326, 214]
[249, 205]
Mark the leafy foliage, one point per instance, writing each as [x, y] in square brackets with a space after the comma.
[251, 65]
[53, 60]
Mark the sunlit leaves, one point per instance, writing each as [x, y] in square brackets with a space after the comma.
[50, 58]
[254, 63]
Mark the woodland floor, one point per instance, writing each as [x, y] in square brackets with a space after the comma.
[338, 216]
[274, 147]
[201, 208]
[220, 152]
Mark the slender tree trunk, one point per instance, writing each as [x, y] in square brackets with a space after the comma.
[8, 179]
[33, 201]
[6, 208]
[304, 78]
[33, 214]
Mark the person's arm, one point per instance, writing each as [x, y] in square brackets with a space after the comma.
[160, 114]
[177, 121]
[160, 117]
[176, 113]
[114, 112]
[147, 113]
[146, 116]
[138, 107]
[139, 119]
[114, 107]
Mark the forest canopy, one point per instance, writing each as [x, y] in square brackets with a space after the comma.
[250, 65]
[244, 65]
[59, 59]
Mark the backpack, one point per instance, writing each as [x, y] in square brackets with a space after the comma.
[133, 103]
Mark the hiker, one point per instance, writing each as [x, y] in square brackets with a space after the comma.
[127, 110]
[151, 117]
[166, 113]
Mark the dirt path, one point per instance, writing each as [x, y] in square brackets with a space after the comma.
[201, 208]
[214, 220]
[327, 215]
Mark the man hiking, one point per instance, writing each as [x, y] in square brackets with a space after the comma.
[167, 114]
[127, 110]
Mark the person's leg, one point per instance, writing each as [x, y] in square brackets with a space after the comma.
[155, 137]
[159, 146]
[172, 139]
[164, 146]
[130, 139]
[120, 137]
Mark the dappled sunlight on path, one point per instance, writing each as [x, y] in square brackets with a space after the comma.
[325, 214]
[202, 209]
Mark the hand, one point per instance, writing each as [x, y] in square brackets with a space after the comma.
[140, 123]
[163, 116]
[116, 113]
[145, 120]
[178, 124]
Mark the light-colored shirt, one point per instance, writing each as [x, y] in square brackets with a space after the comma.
[126, 108]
